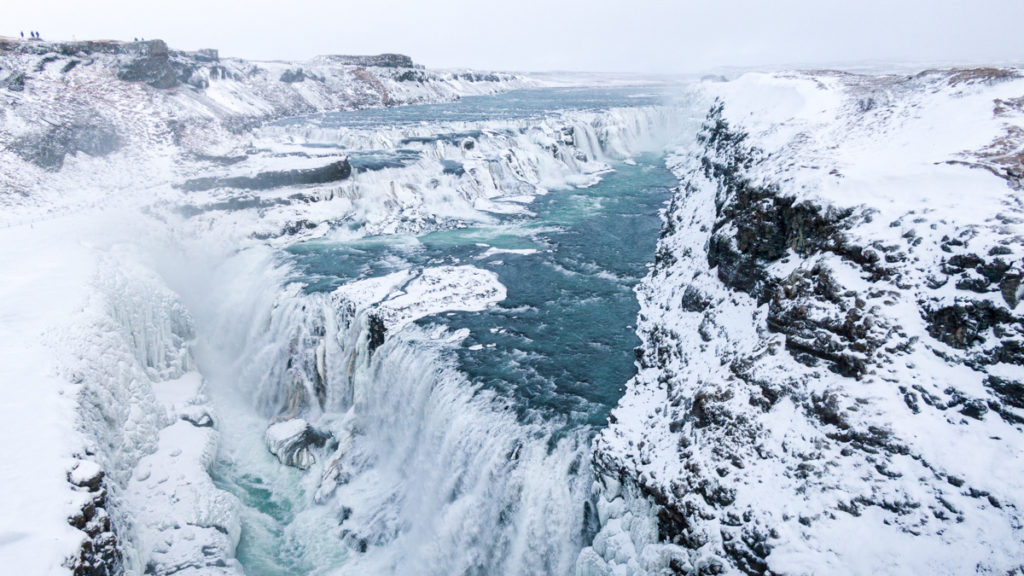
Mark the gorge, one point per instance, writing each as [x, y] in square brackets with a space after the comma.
[355, 316]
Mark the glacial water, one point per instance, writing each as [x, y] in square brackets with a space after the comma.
[469, 454]
[563, 339]
[515, 105]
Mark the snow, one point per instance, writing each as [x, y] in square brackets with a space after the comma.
[903, 155]
[185, 524]
[492, 251]
[45, 277]
[403, 297]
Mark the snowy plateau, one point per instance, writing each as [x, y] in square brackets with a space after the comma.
[829, 380]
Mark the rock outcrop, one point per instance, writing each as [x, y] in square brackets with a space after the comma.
[49, 148]
[379, 60]
[332, 172]
[293, 442]
[99, 554]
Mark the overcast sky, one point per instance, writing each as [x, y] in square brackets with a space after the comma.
[593, 35]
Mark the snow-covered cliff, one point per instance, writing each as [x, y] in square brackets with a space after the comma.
[831, 377]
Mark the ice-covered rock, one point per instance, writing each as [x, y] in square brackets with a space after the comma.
[293, 442]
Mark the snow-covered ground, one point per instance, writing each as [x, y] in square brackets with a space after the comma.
[831, 376]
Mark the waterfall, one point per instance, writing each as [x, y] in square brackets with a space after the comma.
[408, 464]
[428, 472]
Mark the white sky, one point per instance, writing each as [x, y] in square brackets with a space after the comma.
[595, 35]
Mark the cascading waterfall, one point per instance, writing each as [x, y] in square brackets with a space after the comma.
[430, 472]
[419, 468]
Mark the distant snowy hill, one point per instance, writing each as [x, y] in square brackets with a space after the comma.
[101, 116]
[832, 368]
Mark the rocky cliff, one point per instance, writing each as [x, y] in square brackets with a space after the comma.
[831, 378]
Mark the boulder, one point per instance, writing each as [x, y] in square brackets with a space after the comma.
[292, 442]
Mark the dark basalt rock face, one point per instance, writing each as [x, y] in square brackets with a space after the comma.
[412, 76]
[822, 321]
[763, 224]
[380, 60]
[756, 226]
[99, 554]
[293, 76]
[48, 149]
[153, 63]
[293, 441]
[332, 172]
[478, 77]
[148, 62]
[376, 330]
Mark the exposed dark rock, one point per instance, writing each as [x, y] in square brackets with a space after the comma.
[1011, 398]
[292, 442]
[198, 417]
[974, 408]
[332, 172]
[48, 149]
[289, 229]
[756, 224]
[205, 55]
[823, 321]
[45, 60]
[964, 323]
[99, 554]
[376, 331]
[478, 77]
[380, 60]
[693, 300]
[15, 81]
[411, 76]
[748, 550]
[1009, 287]
[148, 62]
[291, 76]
